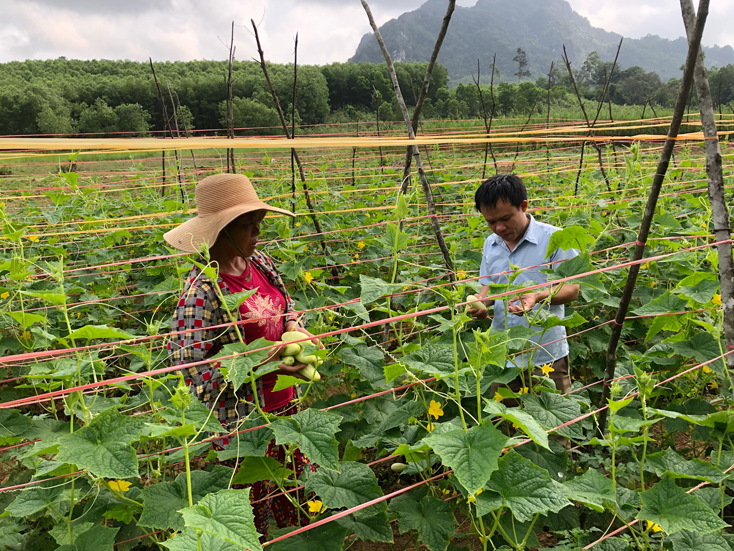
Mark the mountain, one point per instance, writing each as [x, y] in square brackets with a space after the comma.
[540, 27]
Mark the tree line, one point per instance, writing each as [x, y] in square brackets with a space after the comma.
[100, 96]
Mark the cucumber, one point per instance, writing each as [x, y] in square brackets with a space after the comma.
[288, 360]
[310, 373]
[398, 467]
[475, 303]
[291, 349]
[291, 336]
[310, 359]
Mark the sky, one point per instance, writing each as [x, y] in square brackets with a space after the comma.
[329, 30]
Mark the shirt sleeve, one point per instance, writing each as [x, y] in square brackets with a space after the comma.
[196, 312]
[484, 269]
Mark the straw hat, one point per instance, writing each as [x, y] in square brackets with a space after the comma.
[220, 199]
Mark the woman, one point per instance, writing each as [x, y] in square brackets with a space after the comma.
[228, 221]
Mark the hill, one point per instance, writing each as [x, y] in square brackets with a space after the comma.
[540, 27]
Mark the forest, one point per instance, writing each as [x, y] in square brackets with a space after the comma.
[64, 96]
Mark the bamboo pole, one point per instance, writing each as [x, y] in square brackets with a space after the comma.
[717, 199]
[284, 124]
[416, 153]
[424, 90]
[230, 112]
[652, 200]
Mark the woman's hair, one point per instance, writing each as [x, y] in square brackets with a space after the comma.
[502, 187]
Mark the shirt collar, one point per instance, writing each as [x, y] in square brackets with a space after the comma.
[531, 234]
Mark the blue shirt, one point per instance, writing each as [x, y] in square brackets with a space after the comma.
[528, 253]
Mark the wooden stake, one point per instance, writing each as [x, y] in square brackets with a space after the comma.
[717, 199]
[416, 153]
[284, 124]
[652, 200]
[230, 110]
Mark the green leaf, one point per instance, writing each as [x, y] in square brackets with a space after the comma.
[554, 321]
[233, 300]
[369, 361]
[691, 541]
[13, 423]
[664, 323]
[195, 413]
[671, 508]
[553, 410]
[669, 463]
[26, 320]
[701, 347]
[163, 501]
[431, 517]
[36, 499]
[328, 537]
[572, 237]
[226, 515]
[98, 538]
[529, 426]
[394, 239]
[701, 287]
[51, 297]
[252, 442]
[393, 371]
[60, 532]
[369, 527]
[554, 461]
[354, 484]
[189, 540]
[103, 447]
[286, 381]
[372, 289]
[592, 489]
[664, 304]
[255, 469]
[580, 264]
[313, 431]
[99, 332]
[522, 487]
[471, 454]
[240, 369]
[401, 415]
[433, 359]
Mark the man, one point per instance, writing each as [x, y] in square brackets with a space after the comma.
[519, 240]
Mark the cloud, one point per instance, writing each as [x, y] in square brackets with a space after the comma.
[635, 18]
[329, 30]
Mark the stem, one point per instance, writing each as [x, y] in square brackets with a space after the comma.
[456, 371]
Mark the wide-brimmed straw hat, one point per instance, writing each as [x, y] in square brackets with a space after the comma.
[219, 199]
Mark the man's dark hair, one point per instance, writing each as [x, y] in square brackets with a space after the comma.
[502, 187]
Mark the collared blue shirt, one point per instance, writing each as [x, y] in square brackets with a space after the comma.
[528, 253]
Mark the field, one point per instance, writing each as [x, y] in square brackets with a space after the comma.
[103, 448]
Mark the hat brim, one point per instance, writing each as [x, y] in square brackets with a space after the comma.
[190, 236]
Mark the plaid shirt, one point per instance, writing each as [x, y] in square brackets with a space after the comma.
[200, 308]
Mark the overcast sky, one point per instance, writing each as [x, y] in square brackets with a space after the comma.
[329, 30]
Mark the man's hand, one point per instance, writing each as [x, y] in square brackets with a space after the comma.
[522, 304]
[292, 370]
[478, 313]
[293, 326]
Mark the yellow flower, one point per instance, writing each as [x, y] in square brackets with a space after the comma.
[308, 277]
[645, 266]
[714, 385]
[353, 395]
[361, 245]
[461, 275]
[356, 256]
[298, 224]
[367, 214]
[446, 491]
[305, 248]
[27, 335]
[5, 295]
[33, 238]
[716, 300]
[652, 284]
[120, 485]
[405, 287]
[430, 427]
[498, 397]
[654, 527]
[435, 409]
[523, 390]
[707, 369]
[547, 369]
[331, 318]
[315, 506]
[473, 499]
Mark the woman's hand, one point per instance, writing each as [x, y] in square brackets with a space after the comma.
[292, 370]
[293, 326]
